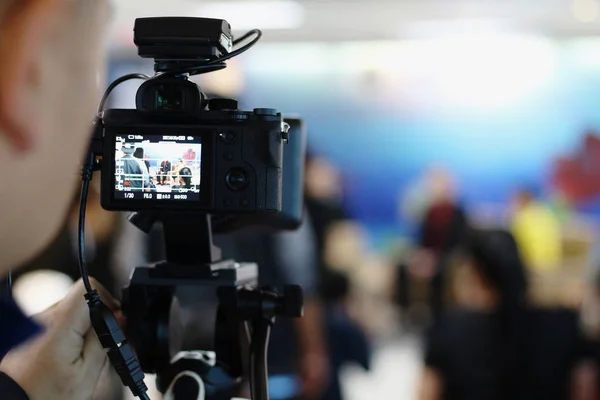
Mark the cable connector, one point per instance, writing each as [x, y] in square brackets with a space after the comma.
[113, 340]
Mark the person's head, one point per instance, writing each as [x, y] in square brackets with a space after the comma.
[139, 153]
[185, 177]
[494, 267]
[322, 179]
[52, 61]
[128, 150]
[441, 184]
[335, 287]
[524, 196]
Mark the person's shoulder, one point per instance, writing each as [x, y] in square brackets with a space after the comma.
[459, 322]
[549, 316]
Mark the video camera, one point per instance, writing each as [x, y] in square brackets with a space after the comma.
[198, 166]
[202, 155]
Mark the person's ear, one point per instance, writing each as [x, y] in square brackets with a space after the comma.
[22, 32]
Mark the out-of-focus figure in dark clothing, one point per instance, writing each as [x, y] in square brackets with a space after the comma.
[496, 347]
[346, 339]
[322, 199]
[443, 227]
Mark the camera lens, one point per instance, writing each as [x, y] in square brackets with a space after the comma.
[236, 179]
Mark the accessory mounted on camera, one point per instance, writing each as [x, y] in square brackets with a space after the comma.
[174, 42]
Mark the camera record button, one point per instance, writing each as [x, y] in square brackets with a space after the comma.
[227, 202]
[228, 156]
[236, 179]
[244, 203]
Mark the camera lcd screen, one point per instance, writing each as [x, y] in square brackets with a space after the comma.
[157, 167]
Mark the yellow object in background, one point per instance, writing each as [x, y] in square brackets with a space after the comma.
[538, 234]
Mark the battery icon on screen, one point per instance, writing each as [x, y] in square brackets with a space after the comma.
[159, 196]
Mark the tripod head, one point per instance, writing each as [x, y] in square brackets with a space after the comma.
[245, 313]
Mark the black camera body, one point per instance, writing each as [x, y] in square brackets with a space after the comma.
[235, 159]
[179, 152]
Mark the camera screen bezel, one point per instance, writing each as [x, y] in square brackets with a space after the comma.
[207, 170]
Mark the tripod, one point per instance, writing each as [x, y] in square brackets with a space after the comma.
[245, 313]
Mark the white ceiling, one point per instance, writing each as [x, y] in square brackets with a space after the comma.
[331, 20]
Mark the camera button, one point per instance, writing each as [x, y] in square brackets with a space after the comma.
[228, 137]
[228, 156]
[236, 179]
[244, 203]
[227, 202]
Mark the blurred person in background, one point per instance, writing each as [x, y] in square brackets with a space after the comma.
[322, 196]
[497, 347]
[48, 47]
[442, 229]
[347, 342]
[537, 231]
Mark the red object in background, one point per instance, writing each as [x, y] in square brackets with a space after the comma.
[189, 155]
[578, 177]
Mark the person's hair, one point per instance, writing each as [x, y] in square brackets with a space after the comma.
[187, 179]
[139, 152]
[496, 257]
[335, 286]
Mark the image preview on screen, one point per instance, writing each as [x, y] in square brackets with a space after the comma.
[157, 167]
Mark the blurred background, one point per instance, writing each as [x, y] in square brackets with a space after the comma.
[489, 107]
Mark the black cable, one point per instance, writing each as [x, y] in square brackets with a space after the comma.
[81, 231]
[144, 396]
[219, 63]
[105, 324]
[116, 83]
[103, 320]
[245, 36]
[242, 49]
